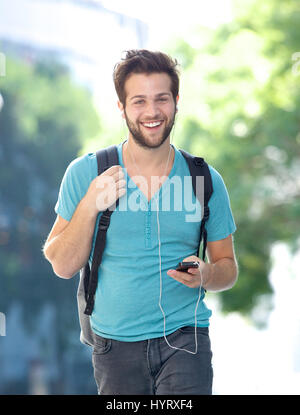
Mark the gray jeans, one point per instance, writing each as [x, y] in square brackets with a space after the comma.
[151, 367]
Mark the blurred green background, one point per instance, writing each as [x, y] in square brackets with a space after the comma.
[239, 109]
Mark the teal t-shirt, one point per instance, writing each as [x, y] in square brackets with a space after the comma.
[130, 284]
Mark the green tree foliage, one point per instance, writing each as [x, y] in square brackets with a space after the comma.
[44, 121]
[240, 103]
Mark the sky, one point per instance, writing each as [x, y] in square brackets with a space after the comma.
[169, 17]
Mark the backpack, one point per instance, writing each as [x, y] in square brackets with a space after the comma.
[106, 158]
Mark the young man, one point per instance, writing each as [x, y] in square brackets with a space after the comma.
[146, 339]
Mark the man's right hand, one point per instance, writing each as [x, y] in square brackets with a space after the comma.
[105, 189]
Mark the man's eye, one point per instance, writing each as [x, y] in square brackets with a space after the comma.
[139, 102]
[163, 99]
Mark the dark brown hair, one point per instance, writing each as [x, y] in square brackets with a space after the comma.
[144, 61]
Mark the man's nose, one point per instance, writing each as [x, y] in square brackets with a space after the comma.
[152, 110]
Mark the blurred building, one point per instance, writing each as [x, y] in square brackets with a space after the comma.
[82, 33]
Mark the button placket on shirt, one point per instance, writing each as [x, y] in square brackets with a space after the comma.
[148, 229]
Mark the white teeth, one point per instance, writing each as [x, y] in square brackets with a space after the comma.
[152, 124]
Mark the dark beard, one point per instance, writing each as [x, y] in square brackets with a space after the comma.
[139, 137]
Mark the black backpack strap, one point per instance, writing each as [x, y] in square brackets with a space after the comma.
[198, 167]
[106, 158]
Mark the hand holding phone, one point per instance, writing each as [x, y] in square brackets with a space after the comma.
[184, 266]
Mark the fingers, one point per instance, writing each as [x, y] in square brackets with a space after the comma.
[190, 278]
[194, 271]
[111, 170]
[121, 183]
[121, 192]
[114, 171]
[111, 176]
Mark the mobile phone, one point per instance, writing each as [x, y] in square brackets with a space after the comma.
[184, 266]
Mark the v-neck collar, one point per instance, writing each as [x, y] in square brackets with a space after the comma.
[158, 193]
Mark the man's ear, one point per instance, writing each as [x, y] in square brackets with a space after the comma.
[121, 108]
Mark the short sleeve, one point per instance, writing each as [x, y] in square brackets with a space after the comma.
[75, 184]
[221, 222]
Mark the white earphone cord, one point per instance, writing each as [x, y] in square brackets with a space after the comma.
[159, 254]
[160, 276]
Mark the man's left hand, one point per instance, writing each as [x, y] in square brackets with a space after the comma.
[195, 276]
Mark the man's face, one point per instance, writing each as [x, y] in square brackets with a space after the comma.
[150, 108]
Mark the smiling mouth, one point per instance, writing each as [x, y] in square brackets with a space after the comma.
[151, 125]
